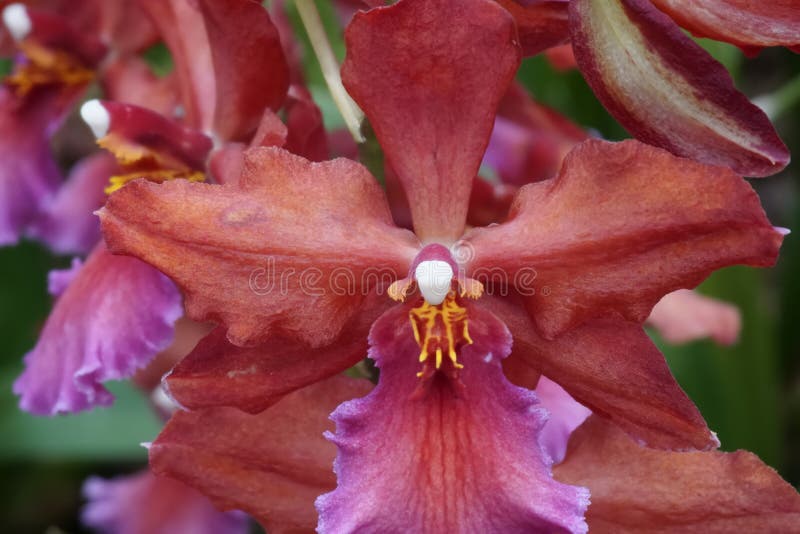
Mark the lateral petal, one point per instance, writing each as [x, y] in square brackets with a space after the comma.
[614, 369]
[452, 459]
[635, 489]
[429, 75]
[622, 225]
[218, 373]
[541, 24]
[271, 465]
[292, 249]
[669, 92]
[685, 315]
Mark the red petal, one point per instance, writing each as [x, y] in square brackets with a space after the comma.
[741, 22]
[229, 61]
[307, 135]
[272, 465]
[133, 129]
[445, 458]
[131, 80]
[668, 91]
[613, 368]
[686, 315]
[541, 24]
[635, 489]
[218, 373]
[291, 250]
[622, 225]
[250, 69]
[429, 75]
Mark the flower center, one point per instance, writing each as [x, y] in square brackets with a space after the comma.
[46, 67]
[441, 322]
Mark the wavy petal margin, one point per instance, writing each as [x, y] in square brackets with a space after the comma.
[445, 458]
[667, 91]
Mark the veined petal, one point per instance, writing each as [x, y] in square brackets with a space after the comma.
[146, 504]
[111, 320]
[613, 368]
[68, 224]
[218, 373]
[635, 489]
[271, 465]
[292, 249]
[686, 315]
[429, 75]
[229, 60]
[668, 91]
[622, 225]
[541, 24]
[744, 23]
[452, 459]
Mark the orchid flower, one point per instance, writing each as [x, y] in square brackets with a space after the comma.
[292, 260]
[117, 313]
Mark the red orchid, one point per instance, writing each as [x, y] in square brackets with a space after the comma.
[290, 258]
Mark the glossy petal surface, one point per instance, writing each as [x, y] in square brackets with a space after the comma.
[622, 225]
[68, 224]
[635, 489]
[429, 75]
[667, 91]
[271, 465]
[449, 459]
[292, 249]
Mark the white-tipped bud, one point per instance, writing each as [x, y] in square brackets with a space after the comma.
[434, 278]
[16, 19]
[96, 117]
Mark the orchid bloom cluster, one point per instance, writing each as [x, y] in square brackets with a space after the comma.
[428, 352]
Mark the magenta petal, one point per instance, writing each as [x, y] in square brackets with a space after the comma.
[117, 313]
[438, 462]
[28, 174]
[146, 504]
[68, 224]
[58, 280]
[566, 414]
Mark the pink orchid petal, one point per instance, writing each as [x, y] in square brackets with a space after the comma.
[442, 461]
[29, 177]
[668, 91]
[685, 315]
[622, 225]
[68, 224]
[130, 79]
[565, 415]
[112, 319]
[429, 75]
[146, 504]
[292, 249]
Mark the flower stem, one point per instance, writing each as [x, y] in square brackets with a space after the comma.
[350, 111]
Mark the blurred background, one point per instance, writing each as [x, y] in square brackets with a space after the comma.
[749, 392]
